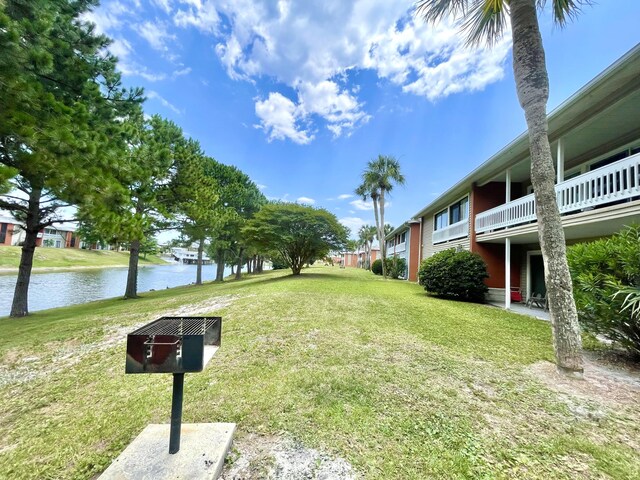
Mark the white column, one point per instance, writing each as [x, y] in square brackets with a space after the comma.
[560, 160]
[507, 189]
[507, 273]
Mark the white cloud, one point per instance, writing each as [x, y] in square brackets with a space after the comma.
[261, 186]
[110, 16]
[360, 204]
[202, 16]
[289, 42]
[280, 119]
[122, 49]
[157, 35]
[307, 200]
[165, 5]
[156, 96]
[181, 72]
[345, 196]
[112, 19]
[352, 223]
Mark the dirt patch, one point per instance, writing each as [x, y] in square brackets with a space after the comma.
[71, 353]
[277, 458]
[203, 307]
[606, 384]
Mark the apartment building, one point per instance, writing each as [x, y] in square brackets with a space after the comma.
[595, 140]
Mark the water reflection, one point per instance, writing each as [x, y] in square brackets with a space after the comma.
[58, 289]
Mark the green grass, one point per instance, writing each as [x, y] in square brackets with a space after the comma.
[399, 384]
[70, 258]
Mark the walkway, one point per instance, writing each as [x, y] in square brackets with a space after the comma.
[524, 310]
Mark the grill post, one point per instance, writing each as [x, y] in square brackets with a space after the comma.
[176, 412]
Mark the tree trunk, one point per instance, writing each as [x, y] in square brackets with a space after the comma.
[380, 232]
[199, 267]
[239, 270]
[248, 265]
[220, 266]
[383, 244]
[233, 269]
[132, 275]
[296, 266]
[532, 84]
[20, 305]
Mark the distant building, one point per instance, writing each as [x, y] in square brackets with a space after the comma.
[9, 230]
[62, 235]
[357, 259]
[188, 256]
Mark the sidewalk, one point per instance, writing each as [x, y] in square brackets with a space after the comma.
[524, 310]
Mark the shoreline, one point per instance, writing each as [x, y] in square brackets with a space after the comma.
[14, 270]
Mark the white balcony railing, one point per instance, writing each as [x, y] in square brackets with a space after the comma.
[401, 247]
[611, 183]
[453, 231]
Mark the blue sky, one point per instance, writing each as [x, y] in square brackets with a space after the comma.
[301, 94]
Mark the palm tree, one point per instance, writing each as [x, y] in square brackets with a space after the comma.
[362, 239]
[370, 235]
[370, 191]
[366, 234]
[378, 179]
[485, 21]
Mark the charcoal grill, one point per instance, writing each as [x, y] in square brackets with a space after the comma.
[176, 345]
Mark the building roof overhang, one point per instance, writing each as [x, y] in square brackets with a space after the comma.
[620, 80]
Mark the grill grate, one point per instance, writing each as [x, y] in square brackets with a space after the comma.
[177, 326]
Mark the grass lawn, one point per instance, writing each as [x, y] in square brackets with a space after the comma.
[70, 257]
[397, 384]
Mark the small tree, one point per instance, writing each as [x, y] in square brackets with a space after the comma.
[605, 275]
[298, 233]
[376, 267]
[396, 267]
[458, 275]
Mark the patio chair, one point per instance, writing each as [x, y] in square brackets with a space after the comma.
[537, 300]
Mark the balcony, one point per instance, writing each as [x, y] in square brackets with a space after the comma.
[453, 231]
[611, 183]
[401, 247]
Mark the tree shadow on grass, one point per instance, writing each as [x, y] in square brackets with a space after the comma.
[256, 280]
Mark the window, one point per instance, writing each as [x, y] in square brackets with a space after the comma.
[403, 237]
[441, 220]
[3, 233]
[459, 211]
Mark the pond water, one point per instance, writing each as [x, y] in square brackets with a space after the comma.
[59, 289]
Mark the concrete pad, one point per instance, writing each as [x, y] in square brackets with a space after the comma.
[203, 448]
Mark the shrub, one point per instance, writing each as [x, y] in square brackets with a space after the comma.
[376, 267]
[452, 274]
[278, 263]
[604, 272]
[396, 267]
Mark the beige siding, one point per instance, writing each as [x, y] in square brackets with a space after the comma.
[428, 248]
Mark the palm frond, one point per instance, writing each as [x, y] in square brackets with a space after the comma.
[435, 10]
[565, 10]
[486, 21]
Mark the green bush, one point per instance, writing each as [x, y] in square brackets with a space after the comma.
[278, 263]
[600, 270]
[376, 267]
[453, 274]
[396, 267]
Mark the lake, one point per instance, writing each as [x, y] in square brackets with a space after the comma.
[59, 289]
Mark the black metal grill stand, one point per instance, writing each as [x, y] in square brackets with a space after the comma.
[176, 412]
